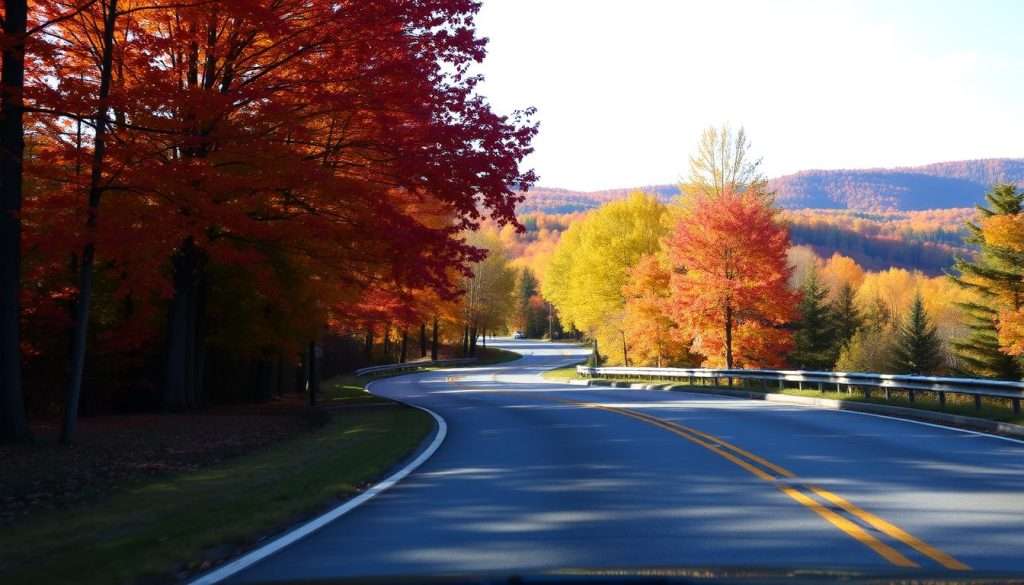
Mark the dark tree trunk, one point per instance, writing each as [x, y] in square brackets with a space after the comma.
[728, 336]
[312, 373]
[483, 338]
[423, 340]
[433, 342]
[368, 348]
[465, 340]
[387, 342]
[302, 377]
[183, 377]
[405, 346]
[472, 341]
[85, 278]
[13, 422]
[279, 384]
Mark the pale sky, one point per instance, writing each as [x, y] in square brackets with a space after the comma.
[624, 88]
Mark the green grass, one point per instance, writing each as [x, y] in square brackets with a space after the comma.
[350, 390]
[561, 374]
[165, 526]
[488, 356]
[991, 408]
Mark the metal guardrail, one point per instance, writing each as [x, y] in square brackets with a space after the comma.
[977, 387]
[412, 366]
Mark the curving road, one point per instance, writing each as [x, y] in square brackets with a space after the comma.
[536, 476]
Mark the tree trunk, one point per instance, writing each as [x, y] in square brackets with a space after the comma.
[472, 341]
[483, 338]
[465, 340]
[185, 360]
[387, 342]
[85, 278]
[405, 346]
[13, 422]
[625, 350]
[433, 342]
[312, 373]
[279, 391]
[551, 320]
[728, 336]
[423, 340]
[301, 373]
[368, 348]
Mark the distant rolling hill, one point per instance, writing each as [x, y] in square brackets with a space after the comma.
[935, 186]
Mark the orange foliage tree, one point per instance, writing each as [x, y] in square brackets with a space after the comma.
[1007, 231]
[728, 287]
[652, 335]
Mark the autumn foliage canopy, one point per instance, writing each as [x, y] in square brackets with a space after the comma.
[256, 173]
[729, 292]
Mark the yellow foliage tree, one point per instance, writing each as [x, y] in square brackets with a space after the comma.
[839, 271]
[587, 271]
[487, 293]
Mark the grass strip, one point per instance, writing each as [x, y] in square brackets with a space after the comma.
[179, 524]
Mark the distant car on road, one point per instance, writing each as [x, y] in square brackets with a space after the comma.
[518, 335]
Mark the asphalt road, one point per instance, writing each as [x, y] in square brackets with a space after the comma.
[535, 476]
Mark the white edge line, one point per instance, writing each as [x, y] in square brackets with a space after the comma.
[886, 416]
[253, 557]
[936, 425]
[825, 408]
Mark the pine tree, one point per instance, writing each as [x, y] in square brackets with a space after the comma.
[815, 336]
[846, 317]
[918, 348]
[995, 273]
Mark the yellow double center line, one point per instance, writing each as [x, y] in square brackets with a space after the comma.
[772, 473]
[777, 476]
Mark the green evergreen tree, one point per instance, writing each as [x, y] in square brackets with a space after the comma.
[815, 336]
[918, 348]
[846, 317]
[992, 272]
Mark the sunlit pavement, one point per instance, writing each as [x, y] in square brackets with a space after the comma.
[532, 477]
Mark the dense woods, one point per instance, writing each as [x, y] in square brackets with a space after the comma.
[713, 278]
[211, 191]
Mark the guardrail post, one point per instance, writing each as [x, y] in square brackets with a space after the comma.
[821, 387]
[1016, 405]
[782, 384]
[800, 385]
[942, 400]
[887, 394]
[977, 402]
[910, 395]
[867, 391]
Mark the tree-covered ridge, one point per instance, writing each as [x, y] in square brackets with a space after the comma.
[934, 186]
[916, 240]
